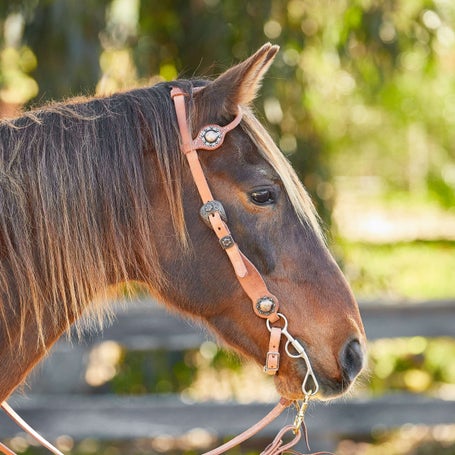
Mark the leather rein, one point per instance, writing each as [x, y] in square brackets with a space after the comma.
[265, 304]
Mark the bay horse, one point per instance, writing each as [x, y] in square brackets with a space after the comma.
[97, 192]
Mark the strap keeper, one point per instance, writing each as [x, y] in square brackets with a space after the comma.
[272, 362]
[227, 242]
[177, 91]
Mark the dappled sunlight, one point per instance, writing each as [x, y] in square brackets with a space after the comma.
[361, 100]
[400, 271]
[15, 64]
[410, 439]
[417, 365]
[244, 383]
[365, 211]
[119, 72]
[102, 363]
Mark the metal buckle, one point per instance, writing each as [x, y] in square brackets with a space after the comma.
[211, 207]
[268, 358]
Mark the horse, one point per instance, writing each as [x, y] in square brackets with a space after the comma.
[95, 192]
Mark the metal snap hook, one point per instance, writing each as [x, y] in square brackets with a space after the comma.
[301, 410]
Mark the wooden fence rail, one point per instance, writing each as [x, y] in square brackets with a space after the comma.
[58, 403]
[146, 325]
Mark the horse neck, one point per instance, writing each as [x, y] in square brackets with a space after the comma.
[19, 354]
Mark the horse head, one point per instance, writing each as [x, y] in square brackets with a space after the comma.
[95, 192]
[273, 221]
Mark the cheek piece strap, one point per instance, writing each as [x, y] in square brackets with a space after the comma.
[211, 137]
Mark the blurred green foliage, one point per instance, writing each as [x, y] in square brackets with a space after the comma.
[166, 371]
[416, 364]
[160, 371]
[361, 87]
[400, 271]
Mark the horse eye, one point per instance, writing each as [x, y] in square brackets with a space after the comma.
[263, 197]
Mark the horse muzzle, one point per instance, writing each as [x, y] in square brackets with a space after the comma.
[295, 380]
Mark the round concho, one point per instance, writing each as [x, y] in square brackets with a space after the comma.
[265, 305]
[211, 136]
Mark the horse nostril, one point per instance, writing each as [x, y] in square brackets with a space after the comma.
[351, 359]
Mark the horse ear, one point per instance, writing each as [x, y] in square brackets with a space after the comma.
[240, 84]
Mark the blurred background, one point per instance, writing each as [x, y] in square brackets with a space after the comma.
[361, 98]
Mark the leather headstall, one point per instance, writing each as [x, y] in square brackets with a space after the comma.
[211, 137]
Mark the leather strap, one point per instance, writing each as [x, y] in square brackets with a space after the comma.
[188, 144]
[277, 446]
[272, 360]
[270, 417]
[28, 429]
[254, 286]
[5, 450]
[247, 274]
[198, 142]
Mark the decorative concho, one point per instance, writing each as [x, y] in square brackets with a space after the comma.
[265, 305]
[211, 136]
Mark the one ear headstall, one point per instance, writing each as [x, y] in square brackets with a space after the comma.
[210, 137]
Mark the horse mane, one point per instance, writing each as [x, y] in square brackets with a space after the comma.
[72, 183]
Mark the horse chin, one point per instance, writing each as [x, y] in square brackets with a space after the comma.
[290, 387]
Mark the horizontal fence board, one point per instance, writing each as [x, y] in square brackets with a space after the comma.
[146, 325]
[428, 319]
[124, 418]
